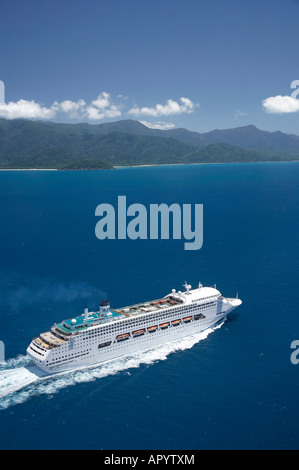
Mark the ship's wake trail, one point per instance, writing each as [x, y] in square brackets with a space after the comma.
[20, 379]
[17, 374]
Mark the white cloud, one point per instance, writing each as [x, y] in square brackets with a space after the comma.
[73, 109]
[281, 104]
[240, 114]
[158, 125]
[104, 106]
[102, 101]
[170, 108]
[93, 114]
[25, 109]
[100, 108]
[122, 97]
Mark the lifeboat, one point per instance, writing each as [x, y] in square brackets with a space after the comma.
[176, 322]
[151, 329]
[164, 325]
[187, 319]
[138, 333]
[123, 337]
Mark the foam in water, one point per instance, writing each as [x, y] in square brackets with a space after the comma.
[20, 379]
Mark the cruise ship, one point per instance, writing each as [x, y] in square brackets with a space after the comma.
[95, 337]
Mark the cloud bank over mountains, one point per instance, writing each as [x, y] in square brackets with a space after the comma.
[169, 109]
[107, 107]
[103, 107]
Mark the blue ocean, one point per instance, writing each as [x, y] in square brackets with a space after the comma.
[232, 387]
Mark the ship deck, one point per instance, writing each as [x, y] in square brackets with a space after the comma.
[147, 307]
[48, 341]
[95, 318]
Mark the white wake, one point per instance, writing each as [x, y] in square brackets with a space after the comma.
[21, 380]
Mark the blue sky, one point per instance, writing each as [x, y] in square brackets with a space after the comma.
[182, 63]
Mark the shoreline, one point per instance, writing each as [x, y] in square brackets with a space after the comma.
[28, 169]
[117, 167]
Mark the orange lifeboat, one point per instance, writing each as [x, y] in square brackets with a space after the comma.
[151, 329]
[187, 319]
[123, 336]
[138, 333]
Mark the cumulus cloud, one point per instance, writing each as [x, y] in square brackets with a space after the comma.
[73, 109]
[25, 109]
[100, 108]
[170, 108]
[281, 104]
[158, 125]
[104, 106]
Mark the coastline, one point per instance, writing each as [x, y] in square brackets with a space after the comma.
[119, 167]
[28, 169]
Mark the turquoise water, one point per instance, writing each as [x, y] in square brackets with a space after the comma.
[233, 388]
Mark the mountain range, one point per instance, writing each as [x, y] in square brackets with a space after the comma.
[40, 144]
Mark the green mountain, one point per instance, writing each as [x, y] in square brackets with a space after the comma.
[249, 137]
[38, 144]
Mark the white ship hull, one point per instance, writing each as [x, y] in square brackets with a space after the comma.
[117, 338]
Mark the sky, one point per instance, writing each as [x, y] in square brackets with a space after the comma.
[197, 64]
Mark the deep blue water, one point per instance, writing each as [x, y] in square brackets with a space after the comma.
[236, 389]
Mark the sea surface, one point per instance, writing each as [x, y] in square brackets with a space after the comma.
[232, 387]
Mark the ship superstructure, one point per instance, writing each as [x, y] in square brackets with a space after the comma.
[95, 337]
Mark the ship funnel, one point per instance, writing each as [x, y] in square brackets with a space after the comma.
[105, 307]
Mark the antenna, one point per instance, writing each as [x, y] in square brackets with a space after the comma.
[187, 287]
[237, 295]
